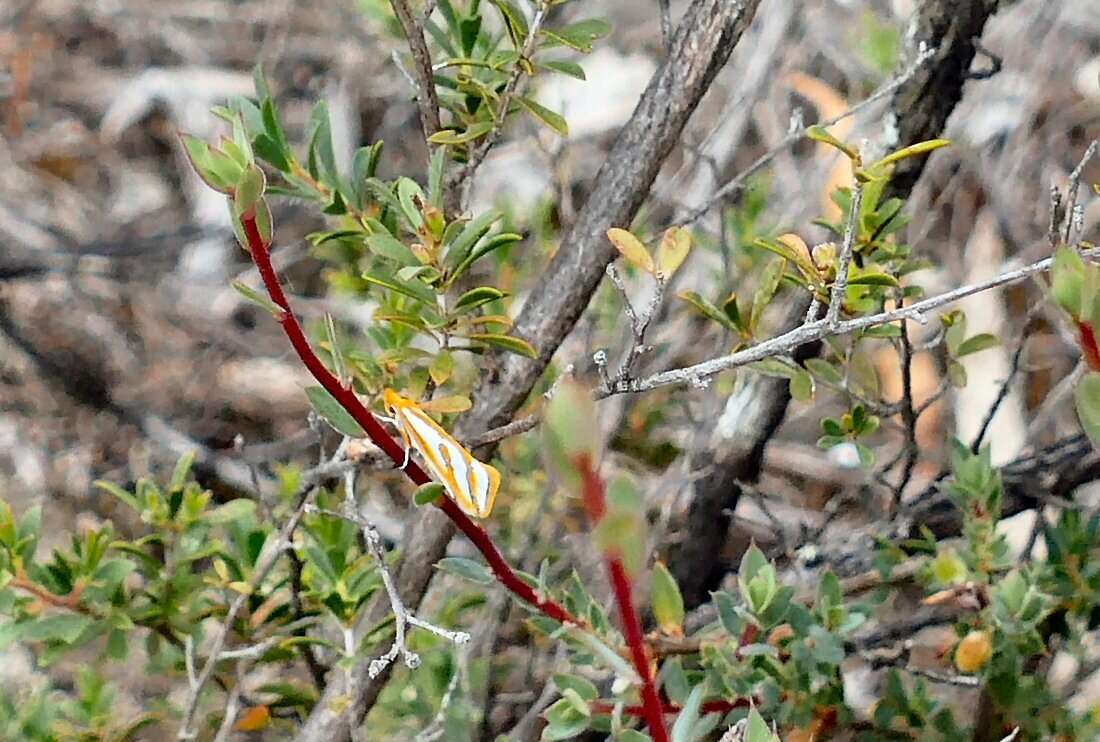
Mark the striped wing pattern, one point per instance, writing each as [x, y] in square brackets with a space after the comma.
[473, 485]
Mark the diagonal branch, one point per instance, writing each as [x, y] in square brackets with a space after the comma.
[426, 99]
[702, 44]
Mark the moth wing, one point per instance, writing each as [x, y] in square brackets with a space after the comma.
[484, 483]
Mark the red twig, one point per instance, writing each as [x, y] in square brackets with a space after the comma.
[347, 398]
[1089, 347]
[595, 504]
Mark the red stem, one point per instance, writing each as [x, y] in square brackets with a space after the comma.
[347, 398]
[595, 504]
[1089, 347]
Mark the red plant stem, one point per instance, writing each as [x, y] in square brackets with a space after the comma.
[347, 398]
[595, 503]
[1089, 347]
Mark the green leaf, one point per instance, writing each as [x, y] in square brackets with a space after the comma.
[769, 284]
[257, 298]
[825, 371]
[459, 249]
[1087, 396]
[472, 132]
[232, 511]
[802, 386]
[683, 728]
[429, 493]
[976, 344]
[61, 627]
[476, 297]
[583, 688]
[751, 563]
[408, 193]
[758, 730]
[632, 249]
[1068, 274]
[390, 248]
[668, 604]
[413, 289]
[708, 310]
[442, 366]
[248, 189]
[566, 68]
[581, 35]
[467, 569]
[514, 21]
[509, 343]
[325, 405]
[873, 278]
[486, 247]
[821, 134]
[181, 471]
[913, 150]
[551, 118]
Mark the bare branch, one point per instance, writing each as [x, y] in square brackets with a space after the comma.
[806, 333]
[426, 98]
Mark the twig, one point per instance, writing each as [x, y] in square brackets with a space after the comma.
[807, 333]
[738, 182]
[232, 704]
[426, 98]
[596, 506]
[1002, 394]
[1074, 187]
[402, 618]
[666, 24]
[844, 260]
[263, 567]
[437, 728]
[639, 323]
[463, 174]
[909, 415]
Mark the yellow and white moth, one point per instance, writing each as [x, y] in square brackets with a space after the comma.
[470, 483]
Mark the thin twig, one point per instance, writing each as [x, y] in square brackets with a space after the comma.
[810, 332]
[738, 182]
[639, 322]
[426, 98]
[908, 414]
[263, 567]
[1074, 187]
[465, 173]
[844, 260]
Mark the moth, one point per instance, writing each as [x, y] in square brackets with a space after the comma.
[473, 485]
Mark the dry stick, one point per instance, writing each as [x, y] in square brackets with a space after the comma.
[478, 155]
[738, 182]
[426, 99]
[909, 415]
[844, 260]
[595, 503]
[347, 399]
[811, 331]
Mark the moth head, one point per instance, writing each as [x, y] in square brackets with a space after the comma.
[392, 400]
